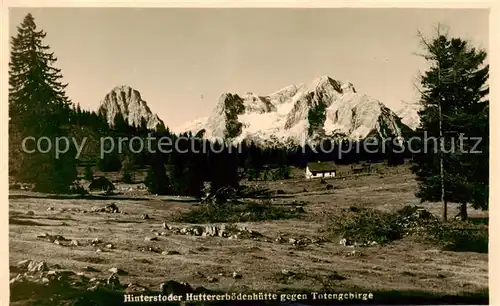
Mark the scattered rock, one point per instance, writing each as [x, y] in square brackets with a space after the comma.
[292, 241]
[94, 288]
[173, 287]
[210, 230]
[151, 239]
[113, 281]
[60, 238]
[115, 270]
[237, 275]
[346, 242]
[17, 279]
[51, 273]
[109, 246]
[353, 253]
[145, 217]
[165, 225]
[30, 213]
[37, 266]
[50, 208]
[98, 251]
[211, 279]
[91, 269]
[57, 242]
[222, 230]
[23, 264]
[110, 208]
[74, 242]
[299, 209]
[134, 288]
[170, 253]
[286, 272]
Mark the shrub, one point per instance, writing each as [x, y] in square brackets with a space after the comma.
[101, 183]
[77, 189]
[127, 177]
[460, 236]
[232, 211]
[364, 225]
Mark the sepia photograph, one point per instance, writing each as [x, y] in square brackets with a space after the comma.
[248, 156]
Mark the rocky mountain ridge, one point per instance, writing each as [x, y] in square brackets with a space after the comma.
[128, 102]
[297, 114]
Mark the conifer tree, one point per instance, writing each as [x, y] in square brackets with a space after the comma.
[223, 167]
[127, 170]
[38, 107]
[89, 174]
[453, 99]
[283, 171]
[157, 180]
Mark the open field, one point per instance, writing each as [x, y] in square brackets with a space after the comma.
[264, 264]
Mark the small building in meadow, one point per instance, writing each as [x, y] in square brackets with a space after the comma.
[321, 170]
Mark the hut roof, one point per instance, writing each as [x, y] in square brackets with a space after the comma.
[322, 166]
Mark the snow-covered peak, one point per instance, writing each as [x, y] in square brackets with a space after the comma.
[409, 114]
[298, 113]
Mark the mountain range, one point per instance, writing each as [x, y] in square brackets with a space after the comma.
[295, 114]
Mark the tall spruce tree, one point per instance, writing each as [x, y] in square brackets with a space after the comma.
[283, 171]
[156, 179]
[453, 98]
[38, 107]
[223, 164]
[127, 170]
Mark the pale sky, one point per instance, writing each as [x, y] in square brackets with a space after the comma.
[181, 60]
